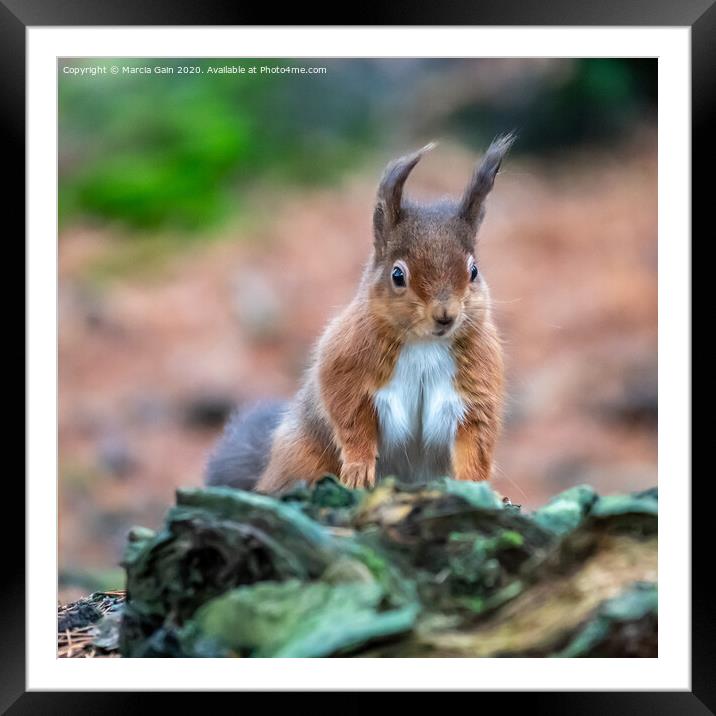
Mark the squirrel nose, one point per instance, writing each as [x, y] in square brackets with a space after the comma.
[444, 319]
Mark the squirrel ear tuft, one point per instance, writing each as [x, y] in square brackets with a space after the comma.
[390, 190]
[483, 179]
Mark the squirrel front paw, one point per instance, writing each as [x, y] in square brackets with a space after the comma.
[358, 474]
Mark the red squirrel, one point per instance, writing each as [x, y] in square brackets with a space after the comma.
[408, 379]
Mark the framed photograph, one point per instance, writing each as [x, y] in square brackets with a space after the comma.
[369, 342]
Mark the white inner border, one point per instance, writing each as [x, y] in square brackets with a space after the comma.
[672, 668]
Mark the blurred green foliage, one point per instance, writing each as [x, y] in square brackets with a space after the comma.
[92, 580]
[181, 150]
[597, 102]
[176, 149]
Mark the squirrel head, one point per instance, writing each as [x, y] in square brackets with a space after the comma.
[424, 279]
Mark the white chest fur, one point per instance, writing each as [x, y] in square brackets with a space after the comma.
[418, 412]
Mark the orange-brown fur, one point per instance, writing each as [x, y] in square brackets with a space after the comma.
[332, 425]
[480, 382]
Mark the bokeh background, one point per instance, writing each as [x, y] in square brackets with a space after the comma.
[210, 224]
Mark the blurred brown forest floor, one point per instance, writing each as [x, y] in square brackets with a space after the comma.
[150, 361]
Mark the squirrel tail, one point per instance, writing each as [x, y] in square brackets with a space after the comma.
[242, 453]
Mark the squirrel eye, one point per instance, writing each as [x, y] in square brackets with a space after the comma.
[398, 276]
[473, 273]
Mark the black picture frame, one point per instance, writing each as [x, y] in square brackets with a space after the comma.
[17, 15]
